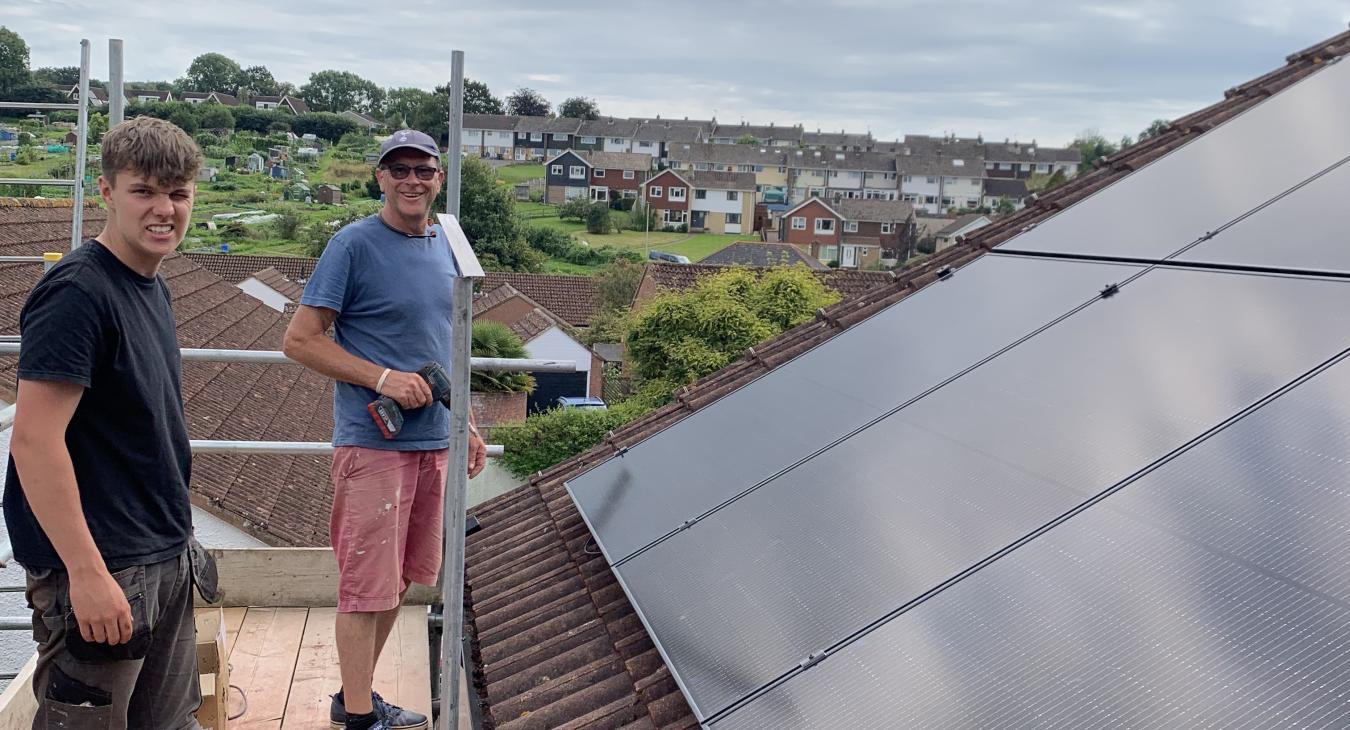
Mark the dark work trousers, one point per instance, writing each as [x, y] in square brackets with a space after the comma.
[157, 691]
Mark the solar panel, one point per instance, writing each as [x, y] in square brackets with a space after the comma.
[855, 377]
[1212, 592]
[741, 597]
[1224, 173]
[1306, 229]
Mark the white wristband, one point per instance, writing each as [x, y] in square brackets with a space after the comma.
[379, 384]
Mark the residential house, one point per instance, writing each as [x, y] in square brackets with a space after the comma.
[488, 135]
[234, 268]
[817, 228]
[607, 134]
[770, 136]
[616, 174]
[329, 194]
[999, 189]
[292, 104]
[769, 165]
[654, 137]
[539, 138]
[722, 202]
[939, 182]
[840, 141]
[962, 226]
[825, 174]
[668, 193]
[147, 95]
[573, 298]
[97, 97]
[762, 255]
[546, 337]
[889, 224]
[194, 97]
[366, 121]
[1021, 161]
[567, 175]
[219, 97]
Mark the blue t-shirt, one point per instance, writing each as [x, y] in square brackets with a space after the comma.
[392, 295]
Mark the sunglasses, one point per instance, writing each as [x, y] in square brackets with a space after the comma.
[399, 172]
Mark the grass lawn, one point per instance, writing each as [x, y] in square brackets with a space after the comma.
[513, 174]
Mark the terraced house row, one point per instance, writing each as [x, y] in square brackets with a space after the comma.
[789, 164]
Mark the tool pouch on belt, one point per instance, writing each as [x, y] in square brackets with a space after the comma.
[204, 575]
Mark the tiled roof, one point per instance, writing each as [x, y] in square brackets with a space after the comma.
[137, 93]
[548, 125]
[277, 282]
[617, 160]
[754, 253]
[960, 222]
[235, 267]
[720, 180]
[873, 211]
[536, 322]
[555, 640]
[501, 122]
[1029, 153]
[284, 499]
[832, 160]
[728, 154]
[223, 98]
[608, 127]
[939, 165]
[681, 277]
[574, 299]
[1006, 187]
[771, 131]
[833, 139]
[297, 105]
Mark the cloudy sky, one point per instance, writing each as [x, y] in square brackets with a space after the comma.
[1044, 70]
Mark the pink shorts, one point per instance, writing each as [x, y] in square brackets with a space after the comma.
[386, 524]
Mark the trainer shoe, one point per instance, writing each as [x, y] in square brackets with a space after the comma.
[391, 716]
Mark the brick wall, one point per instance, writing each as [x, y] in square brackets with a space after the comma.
[495, 409]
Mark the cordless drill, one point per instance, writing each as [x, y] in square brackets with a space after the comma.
[388, 416]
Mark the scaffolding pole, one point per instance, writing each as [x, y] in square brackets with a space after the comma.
[456, 477]
[117, 100]
[81, 150]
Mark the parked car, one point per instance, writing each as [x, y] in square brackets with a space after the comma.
[590, 401]
[673, 258]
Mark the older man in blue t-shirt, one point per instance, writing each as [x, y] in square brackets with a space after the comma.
[383, 284]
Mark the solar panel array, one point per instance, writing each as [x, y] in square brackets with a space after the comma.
[1022, 498]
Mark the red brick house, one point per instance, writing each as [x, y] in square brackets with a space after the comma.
[668, 193]
[616, 174]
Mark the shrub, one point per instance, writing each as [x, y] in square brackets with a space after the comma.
[206, 140]
[597, 218]
[555, 435]
[278, 126]
[620, 220]
[682, 228]
[493, 339]
[536, 196]
[551, 241]
[574, 208]
[288, 224]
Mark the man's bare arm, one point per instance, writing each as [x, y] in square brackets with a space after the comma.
[44, 409]
[307, 342]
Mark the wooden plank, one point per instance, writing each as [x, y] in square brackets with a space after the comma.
[317, 674]
[288, 577]
[234, 618]
[17, 704]
[262, 663]
[403, 675]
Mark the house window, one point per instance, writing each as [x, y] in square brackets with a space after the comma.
[910, 198]
[958, 163]
[1005, 165]
[536, 136]
[829, 253]
[644, 145]
[616, 140]
[782, 170]
[599, 173]
[745, 168]
[629, 174]
[975, 181]
[946, 202]
[850, 226]
[700, 194]
[1042, 167]
[576, 172]
[824, 225]
[908, 178]
[948, 181]
[816, 192]
[733, 219]
[584, 140]
[932, 181]
[559, 137]
[703, 166]
[887, 228]
[798, 223]
[676, 193]
[720, 168]
[654, 191]
[733, 195]
[972, 203]
[929, 199]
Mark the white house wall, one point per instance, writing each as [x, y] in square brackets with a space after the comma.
[717, 202]
[554, 344]
[618, 144]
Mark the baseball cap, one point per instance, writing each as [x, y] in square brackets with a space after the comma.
[410, 138]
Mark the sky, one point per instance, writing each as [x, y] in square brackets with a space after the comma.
[1043, 71]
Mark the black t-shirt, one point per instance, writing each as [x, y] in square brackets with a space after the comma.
[93, 321]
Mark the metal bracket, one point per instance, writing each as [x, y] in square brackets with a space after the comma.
[945, 273]
[1110, 291]
[685, 525]
[812, 659]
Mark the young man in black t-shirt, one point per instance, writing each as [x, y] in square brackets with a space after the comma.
[96, 501]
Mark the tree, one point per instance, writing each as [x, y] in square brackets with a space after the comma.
[401, 105]
[488, 215]
[643, 217]
[1092, 146]
[324, 125]
[527, 102]
[574, 208]
[340, 91]
[681, 337]
[13, 61]
[1155, 128]
[579, 107]
[479, 100]
[98, 124]
[212, 72]
[62, 77]
[747, 138]
[617, 284]
[493, 339]
[217, 117]
[597, 217]
[183, 119]
[256, 81]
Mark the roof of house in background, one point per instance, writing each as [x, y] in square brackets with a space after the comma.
[761, 255]
[608, 127]
[235, 267]
[772, 131]
[1013, 152]
[277, 282]
[572, 298]
[555, 640]
[548, 125]
[961, 222]
[840, 138]
[499, 122]
[939, 165]
[744, 181]
[223, 98]
[137, 93]
[1005, 187]
[728, 154]
[283, 499]
[873, 211]
[617, 160]
[837, 160]
[682, 277]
